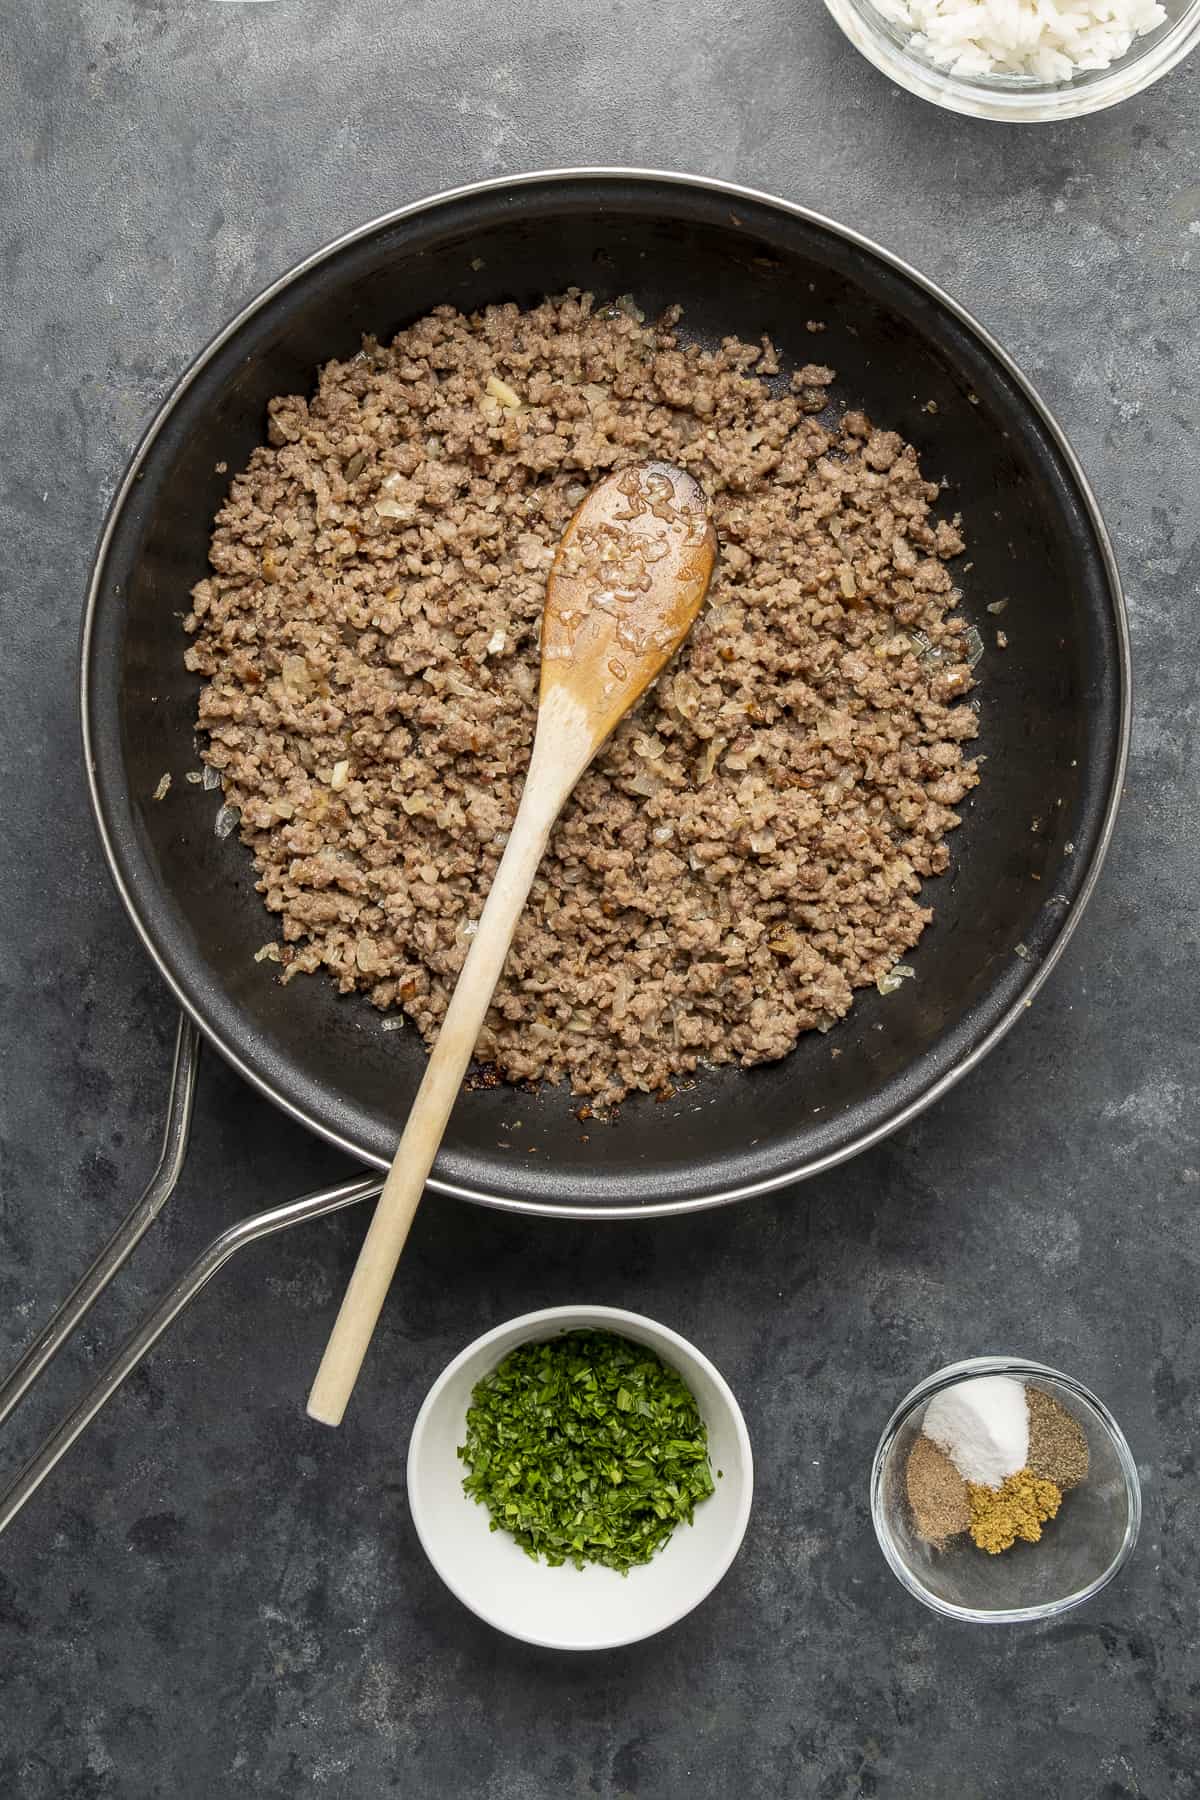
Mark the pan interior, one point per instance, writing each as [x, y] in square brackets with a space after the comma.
[1051, 703]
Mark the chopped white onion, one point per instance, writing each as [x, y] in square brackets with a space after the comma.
[1049, 39]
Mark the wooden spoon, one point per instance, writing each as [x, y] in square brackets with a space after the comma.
[631, 571]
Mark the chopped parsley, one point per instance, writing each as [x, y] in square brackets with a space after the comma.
[586, 1448]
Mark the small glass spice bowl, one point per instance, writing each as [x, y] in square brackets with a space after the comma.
[1020, 99]
[1080, 1551]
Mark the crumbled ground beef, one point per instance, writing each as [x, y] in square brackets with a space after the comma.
[747, 850]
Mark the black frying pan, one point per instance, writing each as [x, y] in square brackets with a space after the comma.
[1055, 705]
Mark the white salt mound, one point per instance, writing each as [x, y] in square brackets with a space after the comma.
[1049, 39]
[983, 1426]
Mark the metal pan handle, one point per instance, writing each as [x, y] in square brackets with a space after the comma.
[77, 1305]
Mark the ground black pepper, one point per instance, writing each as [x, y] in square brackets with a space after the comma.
[1058, 1446]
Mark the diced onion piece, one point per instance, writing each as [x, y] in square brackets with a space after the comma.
[894, 978]
[709, 757]
[499, 390]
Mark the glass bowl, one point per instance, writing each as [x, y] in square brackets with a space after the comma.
[1020, 99]
[1080, 1551]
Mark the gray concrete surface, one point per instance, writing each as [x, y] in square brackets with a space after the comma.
[214, 1598]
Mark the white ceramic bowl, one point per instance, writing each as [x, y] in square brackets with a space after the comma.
[567, 1608]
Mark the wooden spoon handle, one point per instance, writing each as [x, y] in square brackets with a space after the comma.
[545, 791]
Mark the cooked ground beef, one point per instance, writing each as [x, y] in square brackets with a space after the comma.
[747, 850]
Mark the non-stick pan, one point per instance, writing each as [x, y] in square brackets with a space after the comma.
[1054, 705]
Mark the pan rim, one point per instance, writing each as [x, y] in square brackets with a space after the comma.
[938, 1087]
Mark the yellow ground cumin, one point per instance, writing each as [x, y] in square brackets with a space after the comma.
[1018, 1508]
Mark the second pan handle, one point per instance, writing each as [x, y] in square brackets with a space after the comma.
[129, 1233]
[87, 1290]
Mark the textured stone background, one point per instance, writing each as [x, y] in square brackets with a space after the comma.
[214, 1598]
